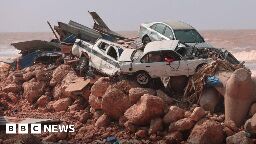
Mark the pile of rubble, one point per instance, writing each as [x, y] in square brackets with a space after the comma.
[106, 110]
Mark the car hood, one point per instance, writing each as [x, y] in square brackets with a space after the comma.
[126, 55]
[200, 45]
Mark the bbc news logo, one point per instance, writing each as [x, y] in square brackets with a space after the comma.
[37, 128]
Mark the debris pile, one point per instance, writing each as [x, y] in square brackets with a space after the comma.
[105, 109]
[197, 82]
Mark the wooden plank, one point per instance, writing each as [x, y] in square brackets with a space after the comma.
[77, 85]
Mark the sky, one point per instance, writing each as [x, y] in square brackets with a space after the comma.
[127, 15]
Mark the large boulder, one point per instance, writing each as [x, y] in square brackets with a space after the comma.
[252, 109]
[115, 102]
[141, 133]
[209, 99]
[67, 80]
[155, 125]
[13, 97]
[147, 108]
[197, 114]
[240, 93]
[239, 138]
[95, 102]
[28, 75]
[59, 89]
[13, 88]
[167, 100]
[136, 93]
[182, 125]
[173, 137]
[175, 113]
[250, 124]
[33, 90]
[59, 73]
[103, 121]
[42, 101]
[100, 86]
[42, 75]
[62, 104]
[206, 132]
[124, 85]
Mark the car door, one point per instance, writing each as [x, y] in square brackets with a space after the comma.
[156, 33]
[152, 63]
[168, 33]
[110, 64]
[174, 65]
[98, 52]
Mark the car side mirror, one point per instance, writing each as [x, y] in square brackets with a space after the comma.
[168, 60]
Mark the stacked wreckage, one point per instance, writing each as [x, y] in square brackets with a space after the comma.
[120, 90]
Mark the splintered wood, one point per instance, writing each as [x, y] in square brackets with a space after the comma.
[196, 83]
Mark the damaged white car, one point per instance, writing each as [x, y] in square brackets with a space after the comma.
[174, 30]
[102, 56]
[159, 59]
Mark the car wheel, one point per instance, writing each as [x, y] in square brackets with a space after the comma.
[143, 78]
[146, 40]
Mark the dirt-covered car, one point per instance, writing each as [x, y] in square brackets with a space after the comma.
[174, 30]
[159, 59]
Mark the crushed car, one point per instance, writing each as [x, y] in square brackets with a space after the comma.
[159, 59]
[174, 30]
[102, 56]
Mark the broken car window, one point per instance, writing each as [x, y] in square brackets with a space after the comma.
[103, 46]
[112, 52]
[160, 28]
[153, 26]
[152, 57]
[136, 54]
[171, 55]
[188, 36]
[168, 32]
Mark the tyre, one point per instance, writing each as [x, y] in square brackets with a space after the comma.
[143, 78]
[146, 40]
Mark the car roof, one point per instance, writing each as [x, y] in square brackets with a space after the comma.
[161, 45]
[111, 43]
[178, 25]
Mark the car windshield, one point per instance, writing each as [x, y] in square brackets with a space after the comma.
[136, 54]
[188, 36]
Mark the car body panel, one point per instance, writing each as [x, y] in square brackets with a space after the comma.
[126, 57]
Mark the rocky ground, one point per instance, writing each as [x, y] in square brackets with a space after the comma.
[109, 108]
